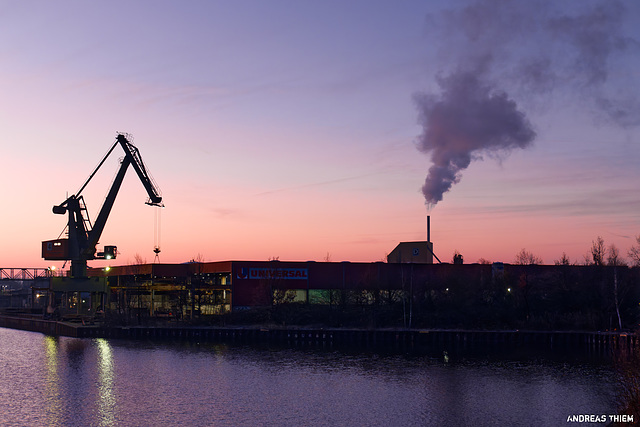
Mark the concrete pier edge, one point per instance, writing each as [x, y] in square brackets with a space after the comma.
[364, 337]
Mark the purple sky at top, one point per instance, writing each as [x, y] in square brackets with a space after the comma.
[292, 129]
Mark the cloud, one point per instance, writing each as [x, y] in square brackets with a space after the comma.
[317, 184]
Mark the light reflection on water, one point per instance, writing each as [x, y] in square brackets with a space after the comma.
[67, 381]
[107, 402]
[52, 398]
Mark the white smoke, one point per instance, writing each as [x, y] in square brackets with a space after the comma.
[494, 52]
[465, 120]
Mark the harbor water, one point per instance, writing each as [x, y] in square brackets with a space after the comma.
[62, 381]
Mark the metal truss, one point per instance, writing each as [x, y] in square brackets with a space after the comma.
[24, 273]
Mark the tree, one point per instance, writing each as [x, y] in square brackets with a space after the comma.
[634, 252]
[598, 251]
[196, 283]
[524, 257]
[199, 258]
[484, 261]
[138, 259]
[614, 260]
[613, 257]
[457, 258]
[564, 260]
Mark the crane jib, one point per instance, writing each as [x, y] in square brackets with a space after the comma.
[83, 236]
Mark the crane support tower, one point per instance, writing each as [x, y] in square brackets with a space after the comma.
[82, 236]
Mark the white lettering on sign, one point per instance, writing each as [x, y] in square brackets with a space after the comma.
[278, 273]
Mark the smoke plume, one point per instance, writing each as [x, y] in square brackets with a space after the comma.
[467, 119]
[497, 56]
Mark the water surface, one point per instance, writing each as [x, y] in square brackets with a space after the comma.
[64, 381]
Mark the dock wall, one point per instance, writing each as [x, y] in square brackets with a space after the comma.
[37, 324]
[360, 337]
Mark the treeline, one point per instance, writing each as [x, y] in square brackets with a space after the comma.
[498, 296]
[537, 297]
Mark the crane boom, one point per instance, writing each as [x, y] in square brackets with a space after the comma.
[83, 237]
[133, 153]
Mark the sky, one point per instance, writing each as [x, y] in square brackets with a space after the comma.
[324, 130]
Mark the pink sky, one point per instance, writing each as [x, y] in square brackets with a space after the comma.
[289, 130]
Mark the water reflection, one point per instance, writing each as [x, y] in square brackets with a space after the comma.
[106, 403]
[52, 391]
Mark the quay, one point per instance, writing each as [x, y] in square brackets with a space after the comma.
[398, 338]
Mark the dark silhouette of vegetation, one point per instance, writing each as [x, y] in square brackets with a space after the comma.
[534, 297]
[627, 364]
[524, 257]
[564, 260]
[634, 252]
[598, 251]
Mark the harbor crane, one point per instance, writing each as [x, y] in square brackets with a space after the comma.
[82, 236]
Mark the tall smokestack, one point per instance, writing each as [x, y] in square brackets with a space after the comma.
[428, 228]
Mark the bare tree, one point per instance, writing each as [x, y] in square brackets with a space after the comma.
[598, 251]
[484, 261]
[614, 260]
[138, 259]
[199, 258]
[524, 257]
[613, 256]
[196, 284]
[634, 252]
[564, 260]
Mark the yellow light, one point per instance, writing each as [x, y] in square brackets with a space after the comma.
[53, 267]
[508, 289]
[107, 268]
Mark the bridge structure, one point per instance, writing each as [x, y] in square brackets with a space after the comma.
[14, 273]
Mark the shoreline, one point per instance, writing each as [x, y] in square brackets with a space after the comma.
[391, 337]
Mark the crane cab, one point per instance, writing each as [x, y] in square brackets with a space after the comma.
[110, 252]
[58, 250]
[55, 250]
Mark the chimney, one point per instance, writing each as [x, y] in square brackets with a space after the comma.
[428, 228]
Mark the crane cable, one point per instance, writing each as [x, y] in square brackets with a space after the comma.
[156, 232]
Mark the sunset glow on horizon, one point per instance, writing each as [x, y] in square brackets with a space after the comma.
[306, 130]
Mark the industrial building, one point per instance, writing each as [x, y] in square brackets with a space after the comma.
[414, 252]
[217, 287]
[224, 286]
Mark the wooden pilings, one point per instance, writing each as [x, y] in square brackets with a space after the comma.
[374, 338]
